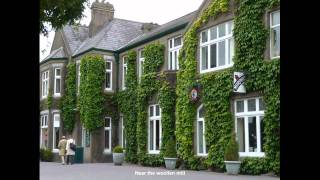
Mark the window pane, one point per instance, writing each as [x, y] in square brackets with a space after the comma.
[151, 111]
[170, 42]
[170, 61]
[107, 122]
[252, 105]
[240, 134]
[157, 110]
[240, 106]
[275, 41]
[157, 134]
[57, 85]
[222, 53]
[174, 66]
[108, 80]
[213, 55]
[58, 72]
[230, 27]
[262, 133]
[275, 18]
[204, 36]
[204, 56]
[252, 134]
[177, 41]
[222, 30]
[201, 112]
[56, 130]
[200, 136]
[213, 33]
[142, 54]
[151, 135]
[106, 139]
[261, 104]
[108, 65]
[141, 62]
[231, 50]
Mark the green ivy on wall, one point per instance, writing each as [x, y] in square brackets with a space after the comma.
[49, 99]
[91, 96]
[127, 106]
[68, 103]
[186, 78]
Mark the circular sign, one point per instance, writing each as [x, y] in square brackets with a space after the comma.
[194, 94]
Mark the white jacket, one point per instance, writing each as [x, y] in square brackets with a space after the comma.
[69, 150]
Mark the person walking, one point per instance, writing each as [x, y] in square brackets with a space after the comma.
[62, 149]
[70, 150]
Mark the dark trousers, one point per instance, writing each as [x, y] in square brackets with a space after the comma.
[70, 159]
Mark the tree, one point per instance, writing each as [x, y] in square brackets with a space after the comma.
[59, 13]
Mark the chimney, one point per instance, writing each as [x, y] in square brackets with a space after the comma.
[146, 27]
[101, 13]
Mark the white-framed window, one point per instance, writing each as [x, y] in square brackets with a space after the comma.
[57, 81]
[249, 125]
[216, 47]
[124, 72]
[108, 83]
[141, 61]
[275, 34]
[154, 129]
[107, 134]
[123, 139]
[86, 137]
[202, 148]
[44, 131]
[56, 129]
[174, 45]
[45, 84]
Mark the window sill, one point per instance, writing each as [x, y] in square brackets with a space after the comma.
[202, 155]
[108, 90]
[252, 154]
[276, 57]
[107, 151]
[55, 150]
[154, 152]
[57, 95]
[216, 69]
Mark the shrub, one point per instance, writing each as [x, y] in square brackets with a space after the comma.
[231, 152]
[253, 166]
[170, 149]
[46, 155]
[118, 149]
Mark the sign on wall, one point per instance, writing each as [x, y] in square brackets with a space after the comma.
[238, 82]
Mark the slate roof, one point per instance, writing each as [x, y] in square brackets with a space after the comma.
[112, 36]
[56, 54]
[182, 21]
[75, 35]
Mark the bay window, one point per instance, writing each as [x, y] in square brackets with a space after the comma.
[108, 83]
[45, 84]
[44, 131]
[57, 81]
[249, 125]
[154, 129]
[175, 45]
[216, 47]
[56, 128]
[275, 34]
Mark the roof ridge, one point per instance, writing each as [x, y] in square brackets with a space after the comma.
[130, 20]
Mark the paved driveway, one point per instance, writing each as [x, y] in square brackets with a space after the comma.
[106, 171]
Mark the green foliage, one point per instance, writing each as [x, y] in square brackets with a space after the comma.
[59, 13]
[46, 155]
[69, 100]
[197, 163]
[149, 86]
[91, 96]
[253, 165]
[261, 75]
[127, 105]
[231, 152]
[118, 149]
[170, 149]
[49, 99]
[186, 77]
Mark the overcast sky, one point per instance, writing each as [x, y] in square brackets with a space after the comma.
[157, 11]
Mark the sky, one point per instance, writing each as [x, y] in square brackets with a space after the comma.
[156, 11]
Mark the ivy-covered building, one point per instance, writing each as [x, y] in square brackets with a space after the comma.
[142, 85]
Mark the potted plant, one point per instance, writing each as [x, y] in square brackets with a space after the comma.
[231, 156]
[118, 155]
[170, 154]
